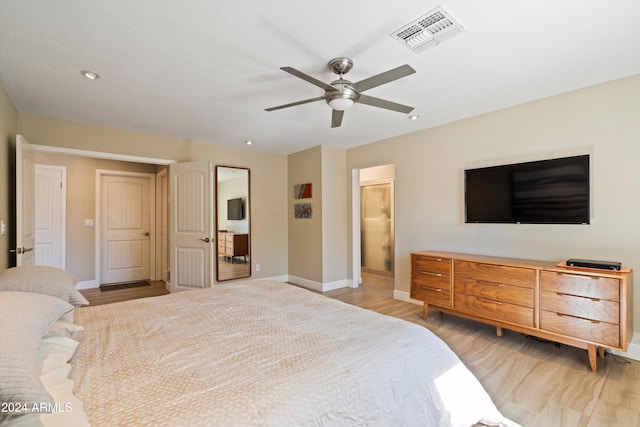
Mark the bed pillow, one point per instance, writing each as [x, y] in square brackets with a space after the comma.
[25, 317]
[55, 353]
[62, 328]
[43, 280]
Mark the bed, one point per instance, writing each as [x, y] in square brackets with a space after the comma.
[263, 353]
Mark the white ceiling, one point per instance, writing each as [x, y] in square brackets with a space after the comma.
[206, 70]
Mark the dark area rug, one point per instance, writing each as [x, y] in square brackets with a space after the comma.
[117, 286]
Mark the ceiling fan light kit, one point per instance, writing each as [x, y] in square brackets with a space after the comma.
[341, 94]
[340, 104]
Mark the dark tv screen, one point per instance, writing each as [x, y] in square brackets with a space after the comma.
[235, 209]
[552, 191]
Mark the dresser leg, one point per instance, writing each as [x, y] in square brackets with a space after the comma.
[498, 331]
[591, 350]
[601, 352]
[425, 310]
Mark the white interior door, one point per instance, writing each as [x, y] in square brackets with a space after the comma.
[192, 217]
[50, 203]
[25, 203]
[125, 228]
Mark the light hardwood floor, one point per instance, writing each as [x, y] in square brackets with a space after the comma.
[534, 383]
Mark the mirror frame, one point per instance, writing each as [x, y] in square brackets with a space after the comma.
[217, 210]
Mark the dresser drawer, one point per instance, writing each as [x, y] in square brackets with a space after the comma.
[576, 284]
[587, 308]
[495, 291]
[431, 264]
[495, 273]
[495, 310]
[590, 330]
[429, 295]
[432, 280]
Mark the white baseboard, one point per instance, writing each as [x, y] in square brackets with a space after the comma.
[87, 284]
[404, 296]
[317, 286]
[283, 278]
[633, 352]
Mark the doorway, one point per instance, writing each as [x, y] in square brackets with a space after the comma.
[126, 226]
[376, 228]
[377, 238]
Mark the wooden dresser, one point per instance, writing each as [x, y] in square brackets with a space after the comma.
[231, 245]
[585, 308]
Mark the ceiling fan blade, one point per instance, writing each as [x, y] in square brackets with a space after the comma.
[336, 118]
[383, 103]
[308, 78]
[382, 78]
[293, 104]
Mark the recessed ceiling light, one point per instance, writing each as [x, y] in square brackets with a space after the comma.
[90, 74]
[248, 142]
[414, 117]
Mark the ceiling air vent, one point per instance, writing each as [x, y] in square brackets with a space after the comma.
[429, 30]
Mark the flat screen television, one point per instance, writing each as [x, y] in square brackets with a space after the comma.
[552, 191]
[235, 209]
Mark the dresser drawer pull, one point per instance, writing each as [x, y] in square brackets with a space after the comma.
[502, 285]
[490, 301]
[426, 273]
[427, 288]
[560, 294]
[590, 277]
[431, 259]
[575, 317]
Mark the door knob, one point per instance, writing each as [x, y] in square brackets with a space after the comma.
[206, 240]
[20, 250]
[146, 234]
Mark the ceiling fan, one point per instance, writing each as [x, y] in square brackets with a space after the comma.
[342, 94]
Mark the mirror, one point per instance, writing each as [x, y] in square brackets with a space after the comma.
[233, 224]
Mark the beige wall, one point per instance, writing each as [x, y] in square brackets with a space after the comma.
[318, 245]
[334, 215]
[8, 128]
[601, 120]
[268, 175]
[305, 234]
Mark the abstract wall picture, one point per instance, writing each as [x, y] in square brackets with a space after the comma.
[302, 191]
[302, 210]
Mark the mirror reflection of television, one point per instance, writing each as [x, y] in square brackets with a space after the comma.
[235, 209]
[552, 191]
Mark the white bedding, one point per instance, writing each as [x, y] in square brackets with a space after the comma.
[264, 353]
